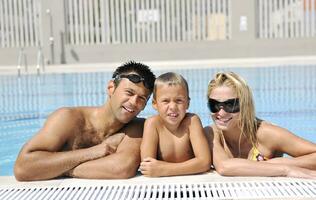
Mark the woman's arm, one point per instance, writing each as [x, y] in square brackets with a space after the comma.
[303, 152]
[229, 166]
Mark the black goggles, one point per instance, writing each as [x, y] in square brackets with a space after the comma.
[230, 105]
[135, 78]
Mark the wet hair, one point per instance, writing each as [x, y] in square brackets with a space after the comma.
[137, 68]
[247, 122]
[170, 78]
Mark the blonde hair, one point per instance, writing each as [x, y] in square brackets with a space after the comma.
[170, 78]
[247, 121]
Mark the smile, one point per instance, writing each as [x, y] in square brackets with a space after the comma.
[128, 109]
[223, 120]
[173, 115]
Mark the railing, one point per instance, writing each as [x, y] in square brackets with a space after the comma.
[146, 21]
[287, 18]
[73, 31]
[20, 23]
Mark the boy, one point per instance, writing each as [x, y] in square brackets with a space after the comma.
[173, 141]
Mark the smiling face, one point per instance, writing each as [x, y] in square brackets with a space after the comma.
[171, 103]
[222, 119]
[127, 99]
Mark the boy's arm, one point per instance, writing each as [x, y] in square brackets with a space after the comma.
[200, 163]
[150, 140]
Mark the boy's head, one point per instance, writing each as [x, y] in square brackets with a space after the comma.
[136, 73]
[170, 79]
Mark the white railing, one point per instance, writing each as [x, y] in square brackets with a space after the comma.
[287, 18]
[147, 21]
[20, 23]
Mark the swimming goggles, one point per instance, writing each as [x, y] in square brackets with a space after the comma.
[230, 105]
[135, 78]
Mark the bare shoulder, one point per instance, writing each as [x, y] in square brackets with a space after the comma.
[209, 133]
[268, 130]
[270, 134]
[70, 117]
[66, 113]
[134, 128]
[192, 119]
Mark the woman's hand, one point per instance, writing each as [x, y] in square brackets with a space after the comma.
[298, 172]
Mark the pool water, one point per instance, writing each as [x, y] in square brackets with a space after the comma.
[284, 95]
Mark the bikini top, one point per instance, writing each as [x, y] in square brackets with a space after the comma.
[255, 154]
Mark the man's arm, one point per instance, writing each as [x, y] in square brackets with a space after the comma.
[41, 158]
[121, 164]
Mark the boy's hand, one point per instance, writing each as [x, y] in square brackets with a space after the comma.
[151, 167]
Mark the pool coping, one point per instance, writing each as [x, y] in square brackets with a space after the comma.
[10, 181]
[166, 64]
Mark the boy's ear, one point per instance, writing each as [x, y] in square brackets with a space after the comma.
[154, 103]
[110, 88]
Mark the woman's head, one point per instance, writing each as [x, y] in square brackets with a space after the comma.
[231, 104]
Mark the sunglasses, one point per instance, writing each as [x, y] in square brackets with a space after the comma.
[135, 78]
[230, 105]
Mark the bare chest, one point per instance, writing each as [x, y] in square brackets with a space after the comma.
[174, 148]
[85, 139]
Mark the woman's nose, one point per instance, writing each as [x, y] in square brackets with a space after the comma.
[222, 111]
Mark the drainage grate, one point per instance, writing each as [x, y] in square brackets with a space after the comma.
[209, 190]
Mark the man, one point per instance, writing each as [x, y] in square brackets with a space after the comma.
[92, 142]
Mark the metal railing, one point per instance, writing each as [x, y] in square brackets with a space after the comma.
[146, 21]
[287, 18]
[20, 23]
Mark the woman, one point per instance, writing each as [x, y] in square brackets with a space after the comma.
[239, 140]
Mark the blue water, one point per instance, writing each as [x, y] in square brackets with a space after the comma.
[284, 95]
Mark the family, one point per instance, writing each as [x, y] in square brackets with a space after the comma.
[110, 142]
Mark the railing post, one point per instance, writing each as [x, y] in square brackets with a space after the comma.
[53, 23]
[22, 61]
[40, 61]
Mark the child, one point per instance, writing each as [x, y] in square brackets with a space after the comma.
[173, 141]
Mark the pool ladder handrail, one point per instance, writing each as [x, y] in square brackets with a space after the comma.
[22, 61]
[40, 61]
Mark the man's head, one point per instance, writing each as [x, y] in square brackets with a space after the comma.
[135, 72]
[129, 90]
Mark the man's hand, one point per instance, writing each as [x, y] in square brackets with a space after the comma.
[108, 146]
[115, 140]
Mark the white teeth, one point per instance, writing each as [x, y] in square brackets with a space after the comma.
[129, 110]
[224, 120]
[172, 114]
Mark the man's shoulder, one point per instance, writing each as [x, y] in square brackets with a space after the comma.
[134, 128]
[138, 121]
[68, 114]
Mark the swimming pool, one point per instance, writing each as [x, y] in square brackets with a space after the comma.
[284, 95]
